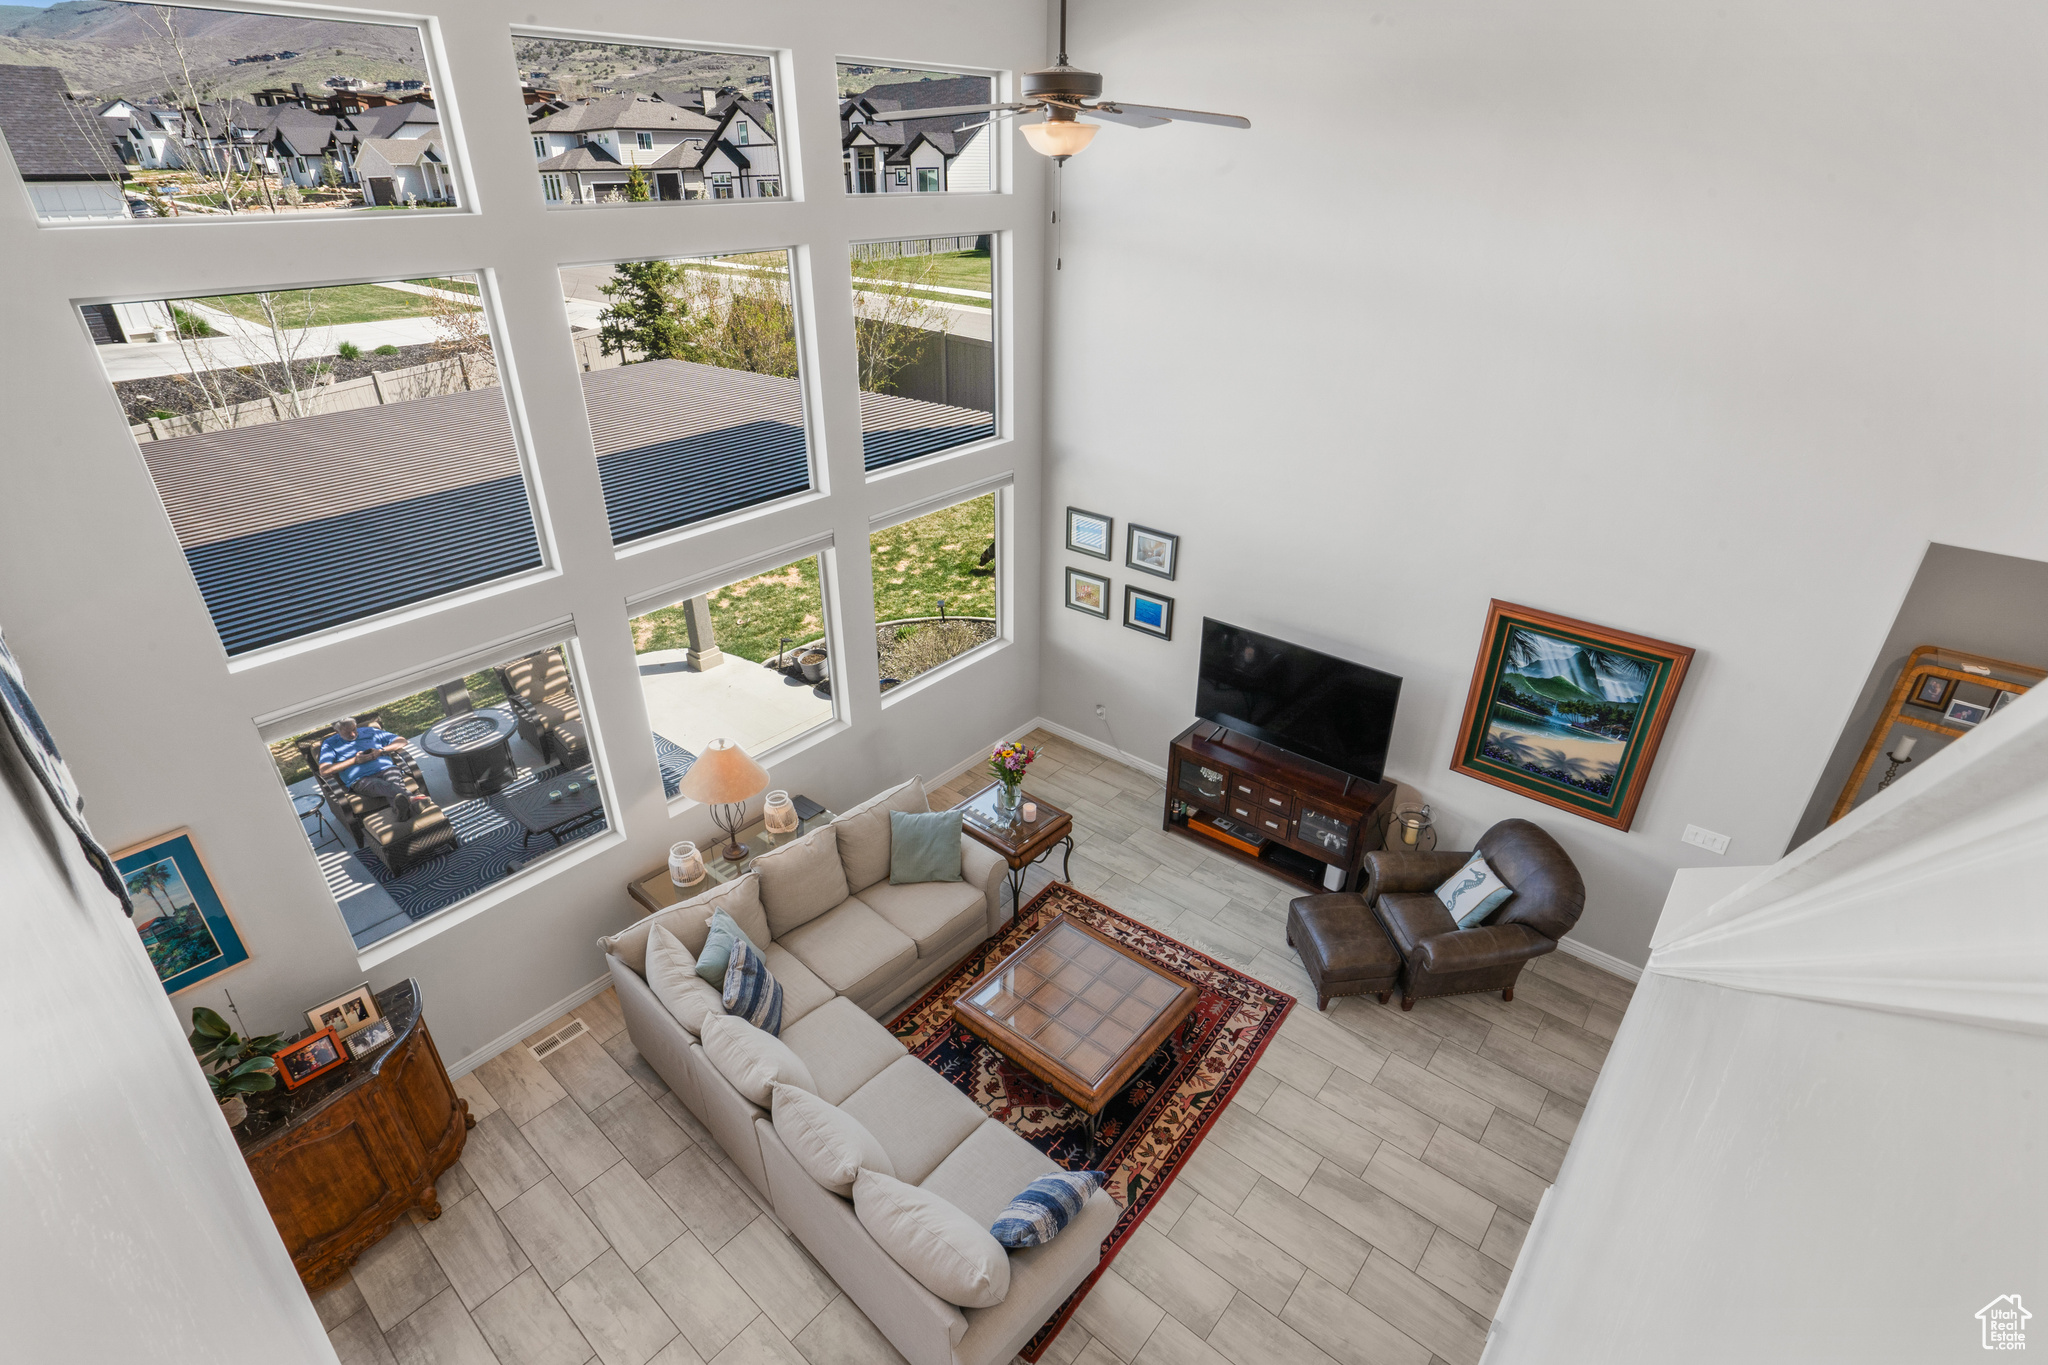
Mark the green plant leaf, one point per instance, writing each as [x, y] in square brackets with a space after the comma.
[207, 1024]
[248, 1085]
[255, 1064]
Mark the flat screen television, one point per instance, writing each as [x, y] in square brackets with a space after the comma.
[1328, 710]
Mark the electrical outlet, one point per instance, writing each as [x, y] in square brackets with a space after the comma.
[1706, 839]
[1100, 713]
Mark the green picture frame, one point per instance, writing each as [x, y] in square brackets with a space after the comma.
[184, 924]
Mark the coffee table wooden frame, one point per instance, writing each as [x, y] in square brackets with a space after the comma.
[1091, 1100]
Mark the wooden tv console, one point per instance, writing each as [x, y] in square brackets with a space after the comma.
[1311, 816]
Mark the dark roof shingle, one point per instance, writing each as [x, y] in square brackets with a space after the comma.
[51, 137]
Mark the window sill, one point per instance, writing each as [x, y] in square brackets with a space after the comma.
[944, 670]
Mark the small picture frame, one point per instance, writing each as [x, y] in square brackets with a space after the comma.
[1149, 612]
[346, 1013]
[1932, 691]
[309, 1057]
[1089, 533]
[1150, 551]
[1088, 592]
[369, 1038]
[1966, 713]
[2005, 699]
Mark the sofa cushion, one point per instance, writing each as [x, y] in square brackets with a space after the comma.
[830, 1144]
[984, 1173]
[853, 950]
[719, 940]
[1412, 916]
[1042, 1209]
[918, 1115]
[752, 1060]
[924, 848]
[943, 1249]
[864, 832]
[672, 976]
[689, 920]
[931, 914]
[801, 881]
[842, 1046]
[802, 992]
[751, 991]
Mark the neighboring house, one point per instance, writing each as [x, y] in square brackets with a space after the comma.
[392, 168]
[112, 324]
[409, 120]
[723, 148]
[63, 149]
[151, 134]
[300, 144]
[916, 156]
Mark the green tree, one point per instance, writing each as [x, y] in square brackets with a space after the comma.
[637, 188]
[647, 316]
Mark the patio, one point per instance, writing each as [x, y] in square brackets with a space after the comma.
[749, 703]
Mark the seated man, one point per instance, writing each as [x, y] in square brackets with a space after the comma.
[360, 755]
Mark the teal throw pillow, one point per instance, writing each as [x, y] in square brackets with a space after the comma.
[924, 848]
[1474, 892]
[717, 954]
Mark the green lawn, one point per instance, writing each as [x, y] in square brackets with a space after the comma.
[443, 282]
[751, 618]
[951, 269]
[328, 307]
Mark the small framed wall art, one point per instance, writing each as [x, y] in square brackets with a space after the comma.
[345, 1014]
[1089, 533]
[309, 1057]
[1148, 611]
[1088, 592]
[1966, 713]
[1932, 691]
[1150, 551]
[185, 927]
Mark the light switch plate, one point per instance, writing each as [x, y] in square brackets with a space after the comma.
[1706, 839]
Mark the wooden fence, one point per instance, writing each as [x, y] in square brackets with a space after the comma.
[455, 374]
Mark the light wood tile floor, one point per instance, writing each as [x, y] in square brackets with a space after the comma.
[1362, 1199]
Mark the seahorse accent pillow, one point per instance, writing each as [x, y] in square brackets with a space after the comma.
[1474, 893]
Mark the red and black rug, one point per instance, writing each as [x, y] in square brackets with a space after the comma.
[1153, 1126]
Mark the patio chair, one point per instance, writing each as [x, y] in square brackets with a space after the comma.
[402, 844]
[537, 689]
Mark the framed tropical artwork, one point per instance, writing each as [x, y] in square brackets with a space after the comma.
[1568, 713]
[184, 925]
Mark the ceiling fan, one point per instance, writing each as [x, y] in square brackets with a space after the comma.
[1062, 92]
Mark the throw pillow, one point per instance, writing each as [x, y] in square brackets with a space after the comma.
[864, 833]
[1474, 893]
[924, 848]
[742, 903]
[752, 1060]
[801, 881]
[943, 1249]
[751, 990]
[717, 954]
[830, 1144]
[1042, 1209]
[672, 976]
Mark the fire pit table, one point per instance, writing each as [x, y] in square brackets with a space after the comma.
[477, 748]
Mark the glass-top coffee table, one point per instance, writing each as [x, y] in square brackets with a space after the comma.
[1078, 1011]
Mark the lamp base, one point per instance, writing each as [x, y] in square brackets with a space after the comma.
[733, 852]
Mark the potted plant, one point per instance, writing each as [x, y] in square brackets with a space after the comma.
[235, 1066]
[813, 664]
[1007, 763]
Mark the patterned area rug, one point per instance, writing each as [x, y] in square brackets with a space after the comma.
[1155, 1124]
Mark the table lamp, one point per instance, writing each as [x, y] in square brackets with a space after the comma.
[724, 778]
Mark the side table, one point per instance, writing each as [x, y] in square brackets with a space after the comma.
[654, 891]
[1021, 844]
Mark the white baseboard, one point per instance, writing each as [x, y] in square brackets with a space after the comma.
[1157, 771]
[1606, 962]
[511, 1036]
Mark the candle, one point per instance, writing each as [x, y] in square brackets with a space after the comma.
[685, 864]
[1411, 830]
[1903, 750]
[1030, 812]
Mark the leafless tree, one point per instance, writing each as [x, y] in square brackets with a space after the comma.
[892, 327]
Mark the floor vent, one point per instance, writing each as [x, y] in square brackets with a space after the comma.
[567, 1033]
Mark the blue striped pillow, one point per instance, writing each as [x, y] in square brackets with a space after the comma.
[751, 991]
[1045, 1207]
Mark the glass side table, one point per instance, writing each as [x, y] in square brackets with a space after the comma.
[314, 804]
[656, 892]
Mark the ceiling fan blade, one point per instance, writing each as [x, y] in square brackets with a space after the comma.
[948, 111]
[1179, 115]
[1116, 113]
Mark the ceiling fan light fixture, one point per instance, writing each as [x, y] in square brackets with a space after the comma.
[1059, 138]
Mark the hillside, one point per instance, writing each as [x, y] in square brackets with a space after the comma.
[585, 68]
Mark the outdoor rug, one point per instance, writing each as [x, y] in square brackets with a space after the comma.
[1155, 1125]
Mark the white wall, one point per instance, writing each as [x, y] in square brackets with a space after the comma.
[1696, 321]
[104, 616]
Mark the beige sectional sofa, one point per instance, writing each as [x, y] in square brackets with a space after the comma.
[847, 947]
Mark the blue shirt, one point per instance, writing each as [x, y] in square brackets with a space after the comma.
[334, 749]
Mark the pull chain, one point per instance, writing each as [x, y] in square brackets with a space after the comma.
[1059, 181]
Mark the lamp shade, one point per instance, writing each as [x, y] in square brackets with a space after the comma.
[724, 775]
[1059, 137]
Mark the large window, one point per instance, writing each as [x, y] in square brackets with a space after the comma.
[619, 124]
[924, 325]
[160, 111]
[748, 662]
[885, 152]
[691, 378]
[417, 804]
[324, 454]
[935, 588]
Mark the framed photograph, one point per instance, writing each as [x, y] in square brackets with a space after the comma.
[1567, 713]
[1932, 691]
[1150, 551]
[368, 1038]
[1089, 533]
[1148, 611]
[309, 1057]
[184, 924]
[345, 1014]
[1088, 592]
[1966, 713]
[2005, 699]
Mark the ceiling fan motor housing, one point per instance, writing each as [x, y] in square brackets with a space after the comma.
[1064, 83]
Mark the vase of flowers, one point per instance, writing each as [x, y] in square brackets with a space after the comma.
[1007, 763]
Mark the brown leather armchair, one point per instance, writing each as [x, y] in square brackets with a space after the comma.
[1439, 958]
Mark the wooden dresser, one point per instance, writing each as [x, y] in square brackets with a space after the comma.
[342, 1158]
